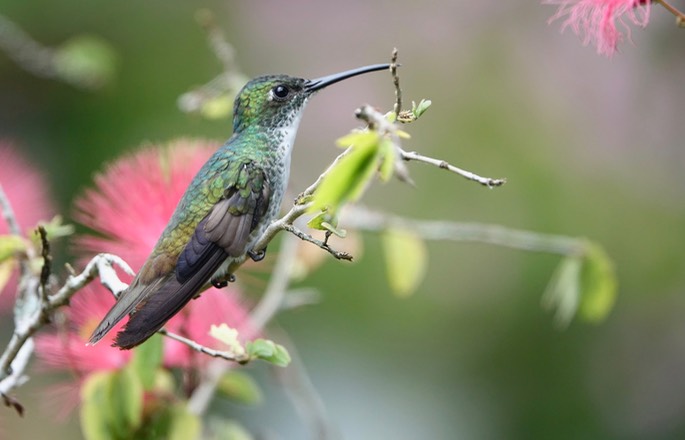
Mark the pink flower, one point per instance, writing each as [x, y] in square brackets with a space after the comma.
[66, 349]
[129, 207]
[134, 198]
[27, 192]
[594, 21]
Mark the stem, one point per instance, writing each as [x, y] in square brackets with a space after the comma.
[25, 51]
[680, 16]
[367, 220]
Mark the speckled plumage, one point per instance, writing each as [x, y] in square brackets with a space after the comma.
[224, 210]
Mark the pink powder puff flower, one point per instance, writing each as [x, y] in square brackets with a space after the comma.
[27, 193]
[66, 350]
[594, 21]
[129, 207]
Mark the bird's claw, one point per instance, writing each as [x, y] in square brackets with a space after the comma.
[257, 256]
[221, 282]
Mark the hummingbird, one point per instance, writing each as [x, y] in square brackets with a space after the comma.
[225, 209]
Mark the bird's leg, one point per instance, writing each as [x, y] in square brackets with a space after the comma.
[222, 281]
[257, 256]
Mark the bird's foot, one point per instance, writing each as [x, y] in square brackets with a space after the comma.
[257, 256]
[222, 281]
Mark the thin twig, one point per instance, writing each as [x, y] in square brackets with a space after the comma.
[339, 255]
[32, 316]
[226, 355]
[302, 393]
[397, 108]
[485, 181]
[364, 219]
[680, 16]
[46, 269]
[25, 51]
[230, 79]
[262, 313]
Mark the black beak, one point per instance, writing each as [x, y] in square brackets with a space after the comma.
[313, 85]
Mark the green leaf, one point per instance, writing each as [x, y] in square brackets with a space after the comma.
[563, 290]
[223, 429]
[268, 351]
[169, 421]
[359, 139]
[184, 425]
[218, 107]
[388, 157]
[228, 336]
[6, 268]
[111, 405]
[56, 228]
[420, 109]
[87, 61]
[406, 260]
[598, 284]
[10, 245]
[326, 221]
[347, 180]
[94, 414]
[240, 387]
[147, 358]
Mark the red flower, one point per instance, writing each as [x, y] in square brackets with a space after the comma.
[595, 21]
[27, 193]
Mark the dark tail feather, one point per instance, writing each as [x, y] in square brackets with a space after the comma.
[153, 313]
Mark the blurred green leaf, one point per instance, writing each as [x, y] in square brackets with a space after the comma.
[598, 282]
[94, 400]
[169, 421]
[406, 260]
[87, 61]
[240, 387]
[229, 337]
[268, 351]
[111, 405]
[226, 429]
[6, 268]
[359, 139]
[326, 221]
[347, 180]
[147, 358]
[563, 290]
[10, 245]
[184, 425]
[55, 228]
[164, 381]
[388, 157]
[218, 107]
[585, 284]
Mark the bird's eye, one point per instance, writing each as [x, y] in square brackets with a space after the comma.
[281, 91]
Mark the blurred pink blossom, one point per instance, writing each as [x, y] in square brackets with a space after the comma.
[129, 207]
[595, 21]
[27, 192]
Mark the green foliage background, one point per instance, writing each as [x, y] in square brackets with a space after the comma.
[590, 146]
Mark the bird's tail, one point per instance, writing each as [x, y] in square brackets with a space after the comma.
[126, 303]
[168, 298]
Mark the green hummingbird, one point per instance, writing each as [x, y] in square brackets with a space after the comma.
[224, 210]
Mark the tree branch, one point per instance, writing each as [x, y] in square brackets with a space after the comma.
[8, 214]
[32, 314]
[364, 219]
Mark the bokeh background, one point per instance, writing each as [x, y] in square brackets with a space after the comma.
[591, 147]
